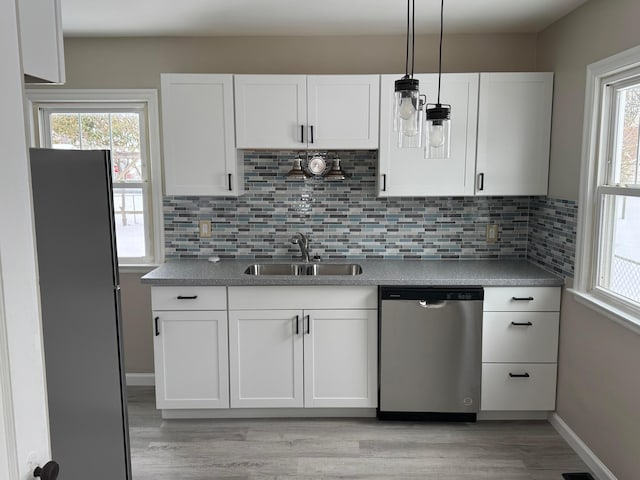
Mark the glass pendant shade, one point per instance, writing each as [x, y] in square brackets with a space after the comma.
[438, 138]
[408, 113]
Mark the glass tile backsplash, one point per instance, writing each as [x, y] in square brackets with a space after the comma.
[343, 219]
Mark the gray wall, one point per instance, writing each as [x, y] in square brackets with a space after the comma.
[138, 62]
[598, 382]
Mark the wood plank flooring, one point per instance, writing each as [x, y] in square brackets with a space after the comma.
[341, 449]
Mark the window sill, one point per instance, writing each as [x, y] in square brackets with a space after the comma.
[131, 268]
[623, 318]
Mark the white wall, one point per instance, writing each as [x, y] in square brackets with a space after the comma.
[17, 259]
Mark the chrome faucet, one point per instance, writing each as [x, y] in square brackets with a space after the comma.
[302, 241]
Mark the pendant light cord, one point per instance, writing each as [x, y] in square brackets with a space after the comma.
[413, 35]
[406, 62]
[440, 55]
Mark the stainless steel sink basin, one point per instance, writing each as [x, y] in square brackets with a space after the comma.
[334, 269]
[303, 269]
[276, 269]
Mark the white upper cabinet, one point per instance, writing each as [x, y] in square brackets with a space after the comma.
[342, 111]
[41, 41]
[271, 111]
[299, 111]
[406, 172]
[514, 126]
[198, 134]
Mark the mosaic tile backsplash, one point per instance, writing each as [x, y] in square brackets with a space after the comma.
[342, 219]
[552, 234]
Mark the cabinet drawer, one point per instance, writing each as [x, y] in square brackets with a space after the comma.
[502, 391]
[520, 336]
[188, 298]
[522, 299]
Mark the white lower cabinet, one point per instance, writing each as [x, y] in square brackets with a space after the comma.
[522, 386]
[520, 348]
[265, 361]
[303, 357]
[340, 358]
[190, 347]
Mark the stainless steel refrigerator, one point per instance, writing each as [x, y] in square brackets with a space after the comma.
[81, 320]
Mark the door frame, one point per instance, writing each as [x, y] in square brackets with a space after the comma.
[8, 452]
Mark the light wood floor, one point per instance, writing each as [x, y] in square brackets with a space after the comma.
[338, 448]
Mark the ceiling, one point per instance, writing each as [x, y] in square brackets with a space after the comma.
[82, 18]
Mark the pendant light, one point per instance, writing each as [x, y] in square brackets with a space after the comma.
[408, 103]
[438, 115]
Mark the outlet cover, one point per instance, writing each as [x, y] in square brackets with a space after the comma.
[492, 233]
[205, 228]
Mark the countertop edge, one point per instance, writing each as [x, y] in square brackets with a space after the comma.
[494, 273]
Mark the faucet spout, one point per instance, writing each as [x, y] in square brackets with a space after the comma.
[302, 241]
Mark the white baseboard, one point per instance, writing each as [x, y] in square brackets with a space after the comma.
[269, 413]
[596, 466]
[140, 379]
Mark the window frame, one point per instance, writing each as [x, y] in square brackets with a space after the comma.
[39, 100]
[604, 78]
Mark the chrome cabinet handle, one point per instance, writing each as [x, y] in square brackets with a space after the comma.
[308, 325]
[311, 134]
[155, 324]
[187, 297]
[521, 324]
[297, 324]
[522, 299]
[519, 375]
[230, 187]
[384, 182]
[301, 133]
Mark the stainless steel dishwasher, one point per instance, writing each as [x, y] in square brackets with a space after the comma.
[430, 353]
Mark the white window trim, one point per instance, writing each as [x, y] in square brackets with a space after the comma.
[598, 74]
[35, 97]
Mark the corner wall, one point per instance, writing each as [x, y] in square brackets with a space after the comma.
[598, 384]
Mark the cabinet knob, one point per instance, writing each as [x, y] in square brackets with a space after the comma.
[48, 472]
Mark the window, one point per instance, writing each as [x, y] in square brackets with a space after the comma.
[608, 261]
[122, 126]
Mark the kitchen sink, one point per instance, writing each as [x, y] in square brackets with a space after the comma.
[334, 269]
[303, 269]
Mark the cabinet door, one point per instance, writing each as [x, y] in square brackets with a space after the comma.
[340, 358]
[271, 111]
[199, 151]
[265, 358]
[406, 172]
[514, 125]
[342, 111]
[41, 41]
[191, 359]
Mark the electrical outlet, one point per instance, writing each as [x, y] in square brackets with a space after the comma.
[492, 233]
[205, 228]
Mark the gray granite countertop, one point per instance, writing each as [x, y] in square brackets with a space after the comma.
[374, 272]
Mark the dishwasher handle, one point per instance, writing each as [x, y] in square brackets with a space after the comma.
[432, 304]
